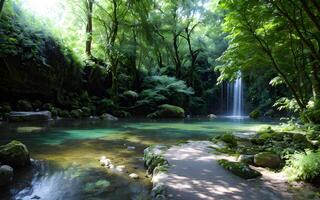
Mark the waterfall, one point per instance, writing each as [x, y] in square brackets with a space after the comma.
[237, 97]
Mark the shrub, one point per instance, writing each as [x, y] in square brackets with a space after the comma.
[303, 166]
[255, 114]
[163, 89]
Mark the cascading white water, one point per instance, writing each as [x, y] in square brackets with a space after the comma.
[237, 97]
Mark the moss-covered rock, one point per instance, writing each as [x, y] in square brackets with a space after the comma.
[240, 169]
[108, 117]
[167, 111]
[255, 114]
[267, 159]
[24, 105]
[230, 139]
[6, 175]
[14, 154]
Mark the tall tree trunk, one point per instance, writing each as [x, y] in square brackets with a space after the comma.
[89, 6]
[176, 55]
[1, 5]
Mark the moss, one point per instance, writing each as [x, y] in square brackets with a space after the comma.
[14, 154]
[255, 114]
[229, 139]
[167, 111]
[240, 169]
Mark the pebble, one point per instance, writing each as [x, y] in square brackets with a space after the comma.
[134, 176]
[131, 148]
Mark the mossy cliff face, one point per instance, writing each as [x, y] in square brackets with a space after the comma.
[33, 64]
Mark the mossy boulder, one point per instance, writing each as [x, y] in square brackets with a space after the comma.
[229, 138]
[24, 105]
[255, 114]
[6, 175]
[108, 117]
[167, 111]
[240, 169]
[14, 154]
[267, 159]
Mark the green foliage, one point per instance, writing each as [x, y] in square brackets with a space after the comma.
[255, 114]
[312, 113]
[303, 166]
[163, 89]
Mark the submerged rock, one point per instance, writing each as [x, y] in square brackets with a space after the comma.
[240, 169]
[267, 159]
[14, 154]
[29, 116]
[6, 175]
[97, 188]
[167, 111]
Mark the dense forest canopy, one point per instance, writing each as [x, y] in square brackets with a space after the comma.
[131, 56]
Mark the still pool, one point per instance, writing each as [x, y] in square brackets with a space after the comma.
[66, 154]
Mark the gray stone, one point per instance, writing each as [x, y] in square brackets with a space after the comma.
[29, 116]
[6, 175]
[267, 159]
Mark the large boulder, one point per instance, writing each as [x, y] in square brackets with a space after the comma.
[167, 111]
[14, 154]
[267, 159]
[240, 169]
[29, 116]
[6, 175]
[108, 117]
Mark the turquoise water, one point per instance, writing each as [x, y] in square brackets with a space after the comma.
[67, 153]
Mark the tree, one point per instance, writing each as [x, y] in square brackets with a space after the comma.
[1, 5]
[89, 12]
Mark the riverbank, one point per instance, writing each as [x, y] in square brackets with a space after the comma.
[193, 173]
